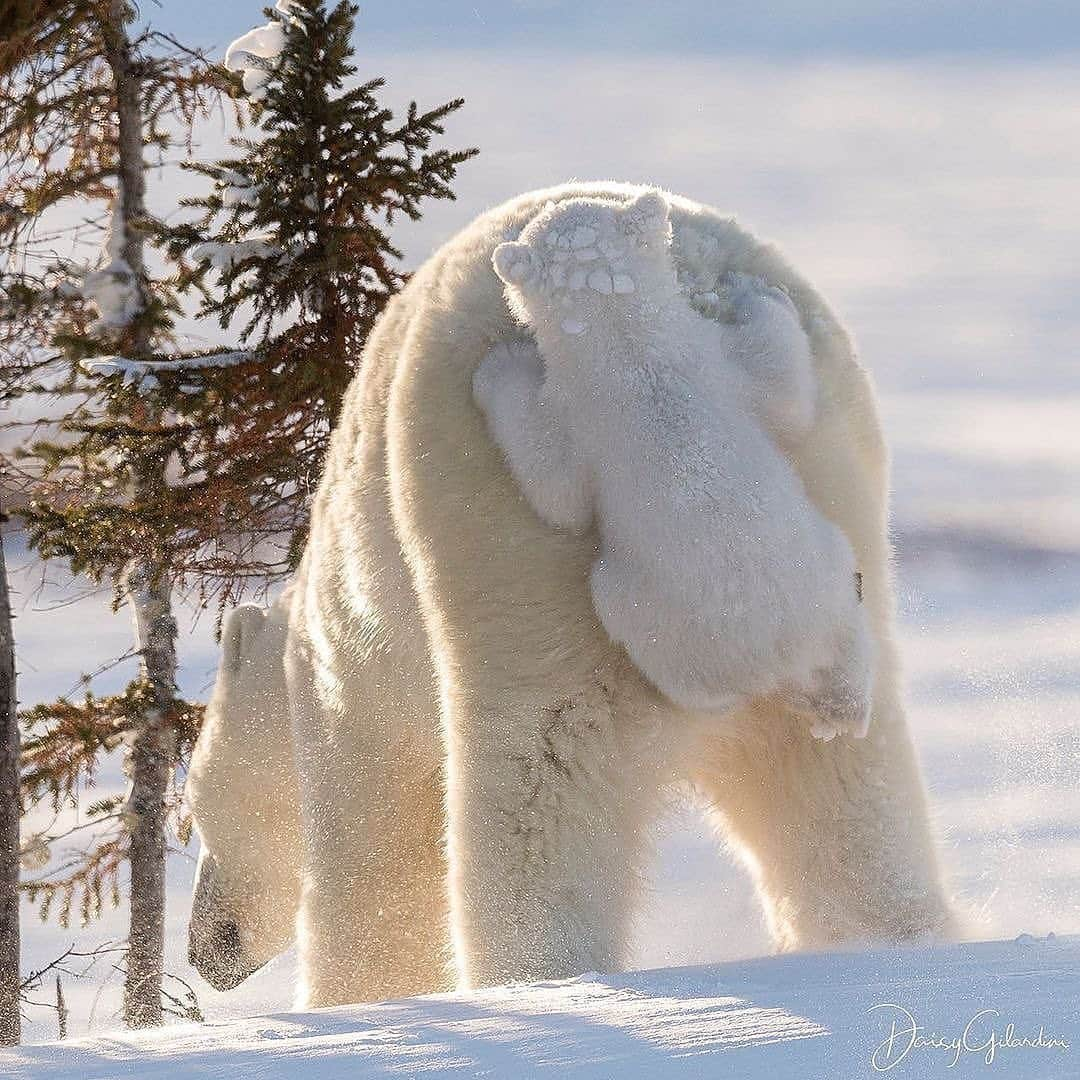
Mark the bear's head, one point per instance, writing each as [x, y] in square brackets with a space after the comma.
[242, 789]
[581, 260]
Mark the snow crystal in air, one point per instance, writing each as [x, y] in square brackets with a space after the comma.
[825, 730]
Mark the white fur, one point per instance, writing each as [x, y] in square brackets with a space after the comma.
[715, 571]
[478, 763]
[242, 790]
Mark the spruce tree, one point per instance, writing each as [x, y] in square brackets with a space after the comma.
[292, 250]
[87, 101]
[169, 470]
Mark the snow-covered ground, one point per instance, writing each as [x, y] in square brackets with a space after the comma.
[1010, 1008]
[935, 205]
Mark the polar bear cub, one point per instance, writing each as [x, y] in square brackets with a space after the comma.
[637, 414]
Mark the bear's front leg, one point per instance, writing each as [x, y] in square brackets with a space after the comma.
[373, 909]
[532, 434]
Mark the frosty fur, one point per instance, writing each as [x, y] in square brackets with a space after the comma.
[478, 763]
[715, 571]
[242, 791]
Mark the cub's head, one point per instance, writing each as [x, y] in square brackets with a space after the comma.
[583, 258]
[242, 789]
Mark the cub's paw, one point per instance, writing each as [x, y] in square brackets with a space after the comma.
[829, 720]
[748, 296]
[833, 705]
[507, 374]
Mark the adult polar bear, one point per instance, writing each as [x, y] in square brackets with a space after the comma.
[473, 752]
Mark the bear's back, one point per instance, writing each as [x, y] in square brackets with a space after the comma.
[416, 512]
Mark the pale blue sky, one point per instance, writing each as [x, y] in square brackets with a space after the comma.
[880, 28]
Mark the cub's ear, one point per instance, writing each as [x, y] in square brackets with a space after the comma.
[514, 262]
[648, 214]
[242, 625]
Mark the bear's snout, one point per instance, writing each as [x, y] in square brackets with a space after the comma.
[215, 944]
[217, 954]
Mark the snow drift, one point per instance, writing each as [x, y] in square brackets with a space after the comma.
[1000, 1009]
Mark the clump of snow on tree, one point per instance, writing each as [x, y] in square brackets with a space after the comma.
[112, 288]
[142, 374]
[256, 52]
[224, 256]
[237, 190]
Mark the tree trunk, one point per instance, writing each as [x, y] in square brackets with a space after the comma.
[61, 1011]
[131, 169]
[10, 813]
[150, 763]
[152, 752]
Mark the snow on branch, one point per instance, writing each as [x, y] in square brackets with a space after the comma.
[223, 255]
[264, 46]
[142, 374]
[112, 287]
[237, 189]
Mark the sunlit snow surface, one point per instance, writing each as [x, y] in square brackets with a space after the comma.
[838, 1015]
[936, 207]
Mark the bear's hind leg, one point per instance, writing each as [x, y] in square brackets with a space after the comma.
[836, 834]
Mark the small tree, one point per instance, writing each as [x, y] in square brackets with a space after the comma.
[166, 469]
[292, 249]
[83, 97]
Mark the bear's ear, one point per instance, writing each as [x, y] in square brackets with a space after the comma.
[242, 626]
[514, 262]
[648, 214]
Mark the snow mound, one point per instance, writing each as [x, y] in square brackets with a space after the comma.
[1001, 1009]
